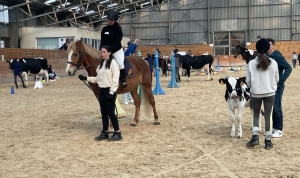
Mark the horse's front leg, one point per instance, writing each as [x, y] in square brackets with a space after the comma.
[137, 103]
[147, 91]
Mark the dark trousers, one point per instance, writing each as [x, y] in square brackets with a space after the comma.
[294, 63]
[177, 75]
[255, 104]
[15, 76]
[277, 111]
[107, 107]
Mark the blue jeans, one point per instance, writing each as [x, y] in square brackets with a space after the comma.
[127, 96]
[277, 110]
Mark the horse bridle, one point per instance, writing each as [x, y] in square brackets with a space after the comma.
[78, 65]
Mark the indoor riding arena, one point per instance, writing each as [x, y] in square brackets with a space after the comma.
[49, 132]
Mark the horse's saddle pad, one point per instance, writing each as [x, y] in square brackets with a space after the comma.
[128, 68]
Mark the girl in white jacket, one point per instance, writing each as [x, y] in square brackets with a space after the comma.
[262, 77]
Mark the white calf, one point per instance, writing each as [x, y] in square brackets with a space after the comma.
[236, 97]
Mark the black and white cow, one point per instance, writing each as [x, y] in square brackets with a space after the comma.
[32, 66]
[237, 96]
[197, 62]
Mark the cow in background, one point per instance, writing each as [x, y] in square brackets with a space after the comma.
[237, 95]
[198, 62]
[32, 66]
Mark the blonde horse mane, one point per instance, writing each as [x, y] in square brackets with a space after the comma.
[91, 51]
[88, 49]
[71, 46]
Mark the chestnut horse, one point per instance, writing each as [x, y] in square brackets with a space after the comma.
[81, 55]
[247, 54]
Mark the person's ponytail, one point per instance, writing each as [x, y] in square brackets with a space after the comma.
[263, 61]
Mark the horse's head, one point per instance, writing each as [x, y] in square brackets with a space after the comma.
[237, 50]
[75, 53]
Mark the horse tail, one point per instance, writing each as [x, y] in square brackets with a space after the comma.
[146, 103]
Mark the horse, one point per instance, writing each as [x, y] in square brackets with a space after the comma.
[163, 65]
[81, 55]
[246, 53]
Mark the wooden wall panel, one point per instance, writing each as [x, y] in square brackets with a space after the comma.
[56, 58]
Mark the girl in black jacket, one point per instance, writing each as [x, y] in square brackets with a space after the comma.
[112, 35]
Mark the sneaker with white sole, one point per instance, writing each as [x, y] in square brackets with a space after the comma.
[125, 102]
[277, 134]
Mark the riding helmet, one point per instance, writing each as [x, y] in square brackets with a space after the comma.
[113, 15]
[262, 45]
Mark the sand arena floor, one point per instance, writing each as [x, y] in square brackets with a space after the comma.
[50, 132]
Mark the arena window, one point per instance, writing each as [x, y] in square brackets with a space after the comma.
[4, 15]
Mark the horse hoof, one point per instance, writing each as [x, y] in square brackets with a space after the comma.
[132, 124]
[156, 123]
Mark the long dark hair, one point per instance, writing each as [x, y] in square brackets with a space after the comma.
[108, 62]
[263, 61]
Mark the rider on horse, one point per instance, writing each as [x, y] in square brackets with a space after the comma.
[112, 35]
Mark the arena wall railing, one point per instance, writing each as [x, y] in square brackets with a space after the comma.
[58, 58]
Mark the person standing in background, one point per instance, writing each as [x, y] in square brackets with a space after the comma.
[65, 45]
[130, 50]
[17, 69]
[294, 59]
[150, 62]
[178, 64]
[258, 37]
[284, 70]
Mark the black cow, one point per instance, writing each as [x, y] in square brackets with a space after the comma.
[197, 62]
[32, 66]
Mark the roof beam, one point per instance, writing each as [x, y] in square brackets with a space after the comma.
[94, 13]
[24, 11]
[60, 10]
[28, 6]
[19, 5]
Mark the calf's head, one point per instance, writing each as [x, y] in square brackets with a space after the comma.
[234, 86]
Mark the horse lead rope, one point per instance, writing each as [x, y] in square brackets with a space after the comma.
[96, 93]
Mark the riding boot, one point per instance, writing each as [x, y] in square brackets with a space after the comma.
[123, 78]
[24, 86]
[16, 84]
